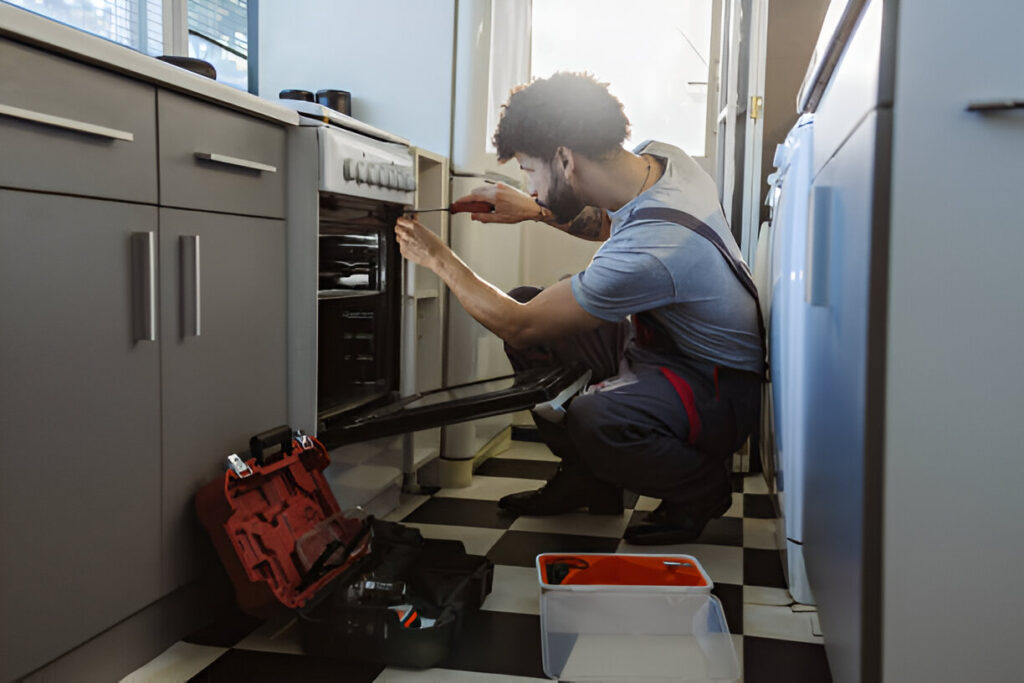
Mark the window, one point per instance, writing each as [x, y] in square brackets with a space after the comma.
[137, 24]
[655, 56]
[218, 30]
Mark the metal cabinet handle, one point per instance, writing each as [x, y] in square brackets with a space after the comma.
[818, 237]
[144, 271]
[995, 105]
[190, 300]
[235, 161]
[67, 124]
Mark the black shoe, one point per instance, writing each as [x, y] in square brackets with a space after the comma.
[568, 490]
[675, 523]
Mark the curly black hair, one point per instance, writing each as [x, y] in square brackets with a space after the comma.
[568, 109]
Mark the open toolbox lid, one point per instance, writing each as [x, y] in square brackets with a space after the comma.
[276, 525]
[546, 388]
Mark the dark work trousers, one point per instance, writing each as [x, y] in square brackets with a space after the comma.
[641, 435]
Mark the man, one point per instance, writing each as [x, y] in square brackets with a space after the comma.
[661, 316]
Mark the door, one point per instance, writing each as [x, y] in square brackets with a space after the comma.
[222, 297]
[470, 402]
[80, 418]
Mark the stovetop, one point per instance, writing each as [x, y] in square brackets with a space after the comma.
[313, 114]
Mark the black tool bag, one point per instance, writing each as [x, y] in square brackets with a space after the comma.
[404, 604]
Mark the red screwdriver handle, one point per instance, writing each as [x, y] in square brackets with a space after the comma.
[472, 207]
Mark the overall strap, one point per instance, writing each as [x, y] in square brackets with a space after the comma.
[739, 268]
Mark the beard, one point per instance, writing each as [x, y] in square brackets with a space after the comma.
[562, 200]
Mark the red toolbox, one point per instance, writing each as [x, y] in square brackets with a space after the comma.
[362, 588]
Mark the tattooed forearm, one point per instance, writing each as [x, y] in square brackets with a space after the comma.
[591, 223]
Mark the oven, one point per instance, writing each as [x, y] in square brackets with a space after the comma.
[347, 184]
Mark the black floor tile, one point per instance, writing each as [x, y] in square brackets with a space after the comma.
[461, 512]
[225, 631]
[731, 597]
[523, 469]
[766, 660]
[503, 643]
[737, 483]
[520, 548]
[763, 568]
[629, 499]
[722, 531]
[758, 505]
[236, 666]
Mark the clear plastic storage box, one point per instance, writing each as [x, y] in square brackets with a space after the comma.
[608, 617]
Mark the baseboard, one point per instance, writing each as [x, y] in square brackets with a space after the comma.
[131, 643]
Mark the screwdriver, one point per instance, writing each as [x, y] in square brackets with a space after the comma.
[460, 207]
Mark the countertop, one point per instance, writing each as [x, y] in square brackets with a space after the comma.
[27, 27]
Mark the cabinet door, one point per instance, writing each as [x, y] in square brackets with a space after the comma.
[222, 296]
[80, 419]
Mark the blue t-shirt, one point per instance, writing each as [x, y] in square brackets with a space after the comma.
[673, 272]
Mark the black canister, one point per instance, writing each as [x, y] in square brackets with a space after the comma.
[304, 95]
[338, 100]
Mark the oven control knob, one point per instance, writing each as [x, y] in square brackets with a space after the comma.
[361, 171]
[410, 180]
[393, 177]
[374, 174]
[350, 169]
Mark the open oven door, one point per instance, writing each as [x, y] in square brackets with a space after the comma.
[545, 390]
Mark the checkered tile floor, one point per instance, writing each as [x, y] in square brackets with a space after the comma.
[775, 640]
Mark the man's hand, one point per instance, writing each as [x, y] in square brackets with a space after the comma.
[418, 244]
[510, 205]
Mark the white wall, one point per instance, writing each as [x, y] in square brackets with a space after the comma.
[548, 254]
[395, 58]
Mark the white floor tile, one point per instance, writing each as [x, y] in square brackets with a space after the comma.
[723, 563]
[646, 504]
[277, 635]
[737, 506]
[516, 589]
[755, 483]
[179, 662]
[491, 488]
[759, 533]
[528, 450]
[408, 503]
[444, 676]
[478, 541]
[767, 621]
[579, 523]
[763, 595]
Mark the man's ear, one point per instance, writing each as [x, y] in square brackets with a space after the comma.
[565, 161]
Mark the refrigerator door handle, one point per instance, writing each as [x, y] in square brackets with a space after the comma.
[819, 231]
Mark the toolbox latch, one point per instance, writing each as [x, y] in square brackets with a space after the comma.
[238, 465]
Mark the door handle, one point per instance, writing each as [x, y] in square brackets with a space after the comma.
[235, 161]
[191, 314]
[983, 107]
[819, 232]
[144, 276]
[66, 124]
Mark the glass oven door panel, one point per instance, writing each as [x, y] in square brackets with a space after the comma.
[450, 405]
[355, 359]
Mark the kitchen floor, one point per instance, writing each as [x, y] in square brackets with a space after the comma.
[775, 640]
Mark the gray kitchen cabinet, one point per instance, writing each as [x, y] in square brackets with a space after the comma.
[80, 419]
[53, 110]
[222, 313]
[217, 160]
